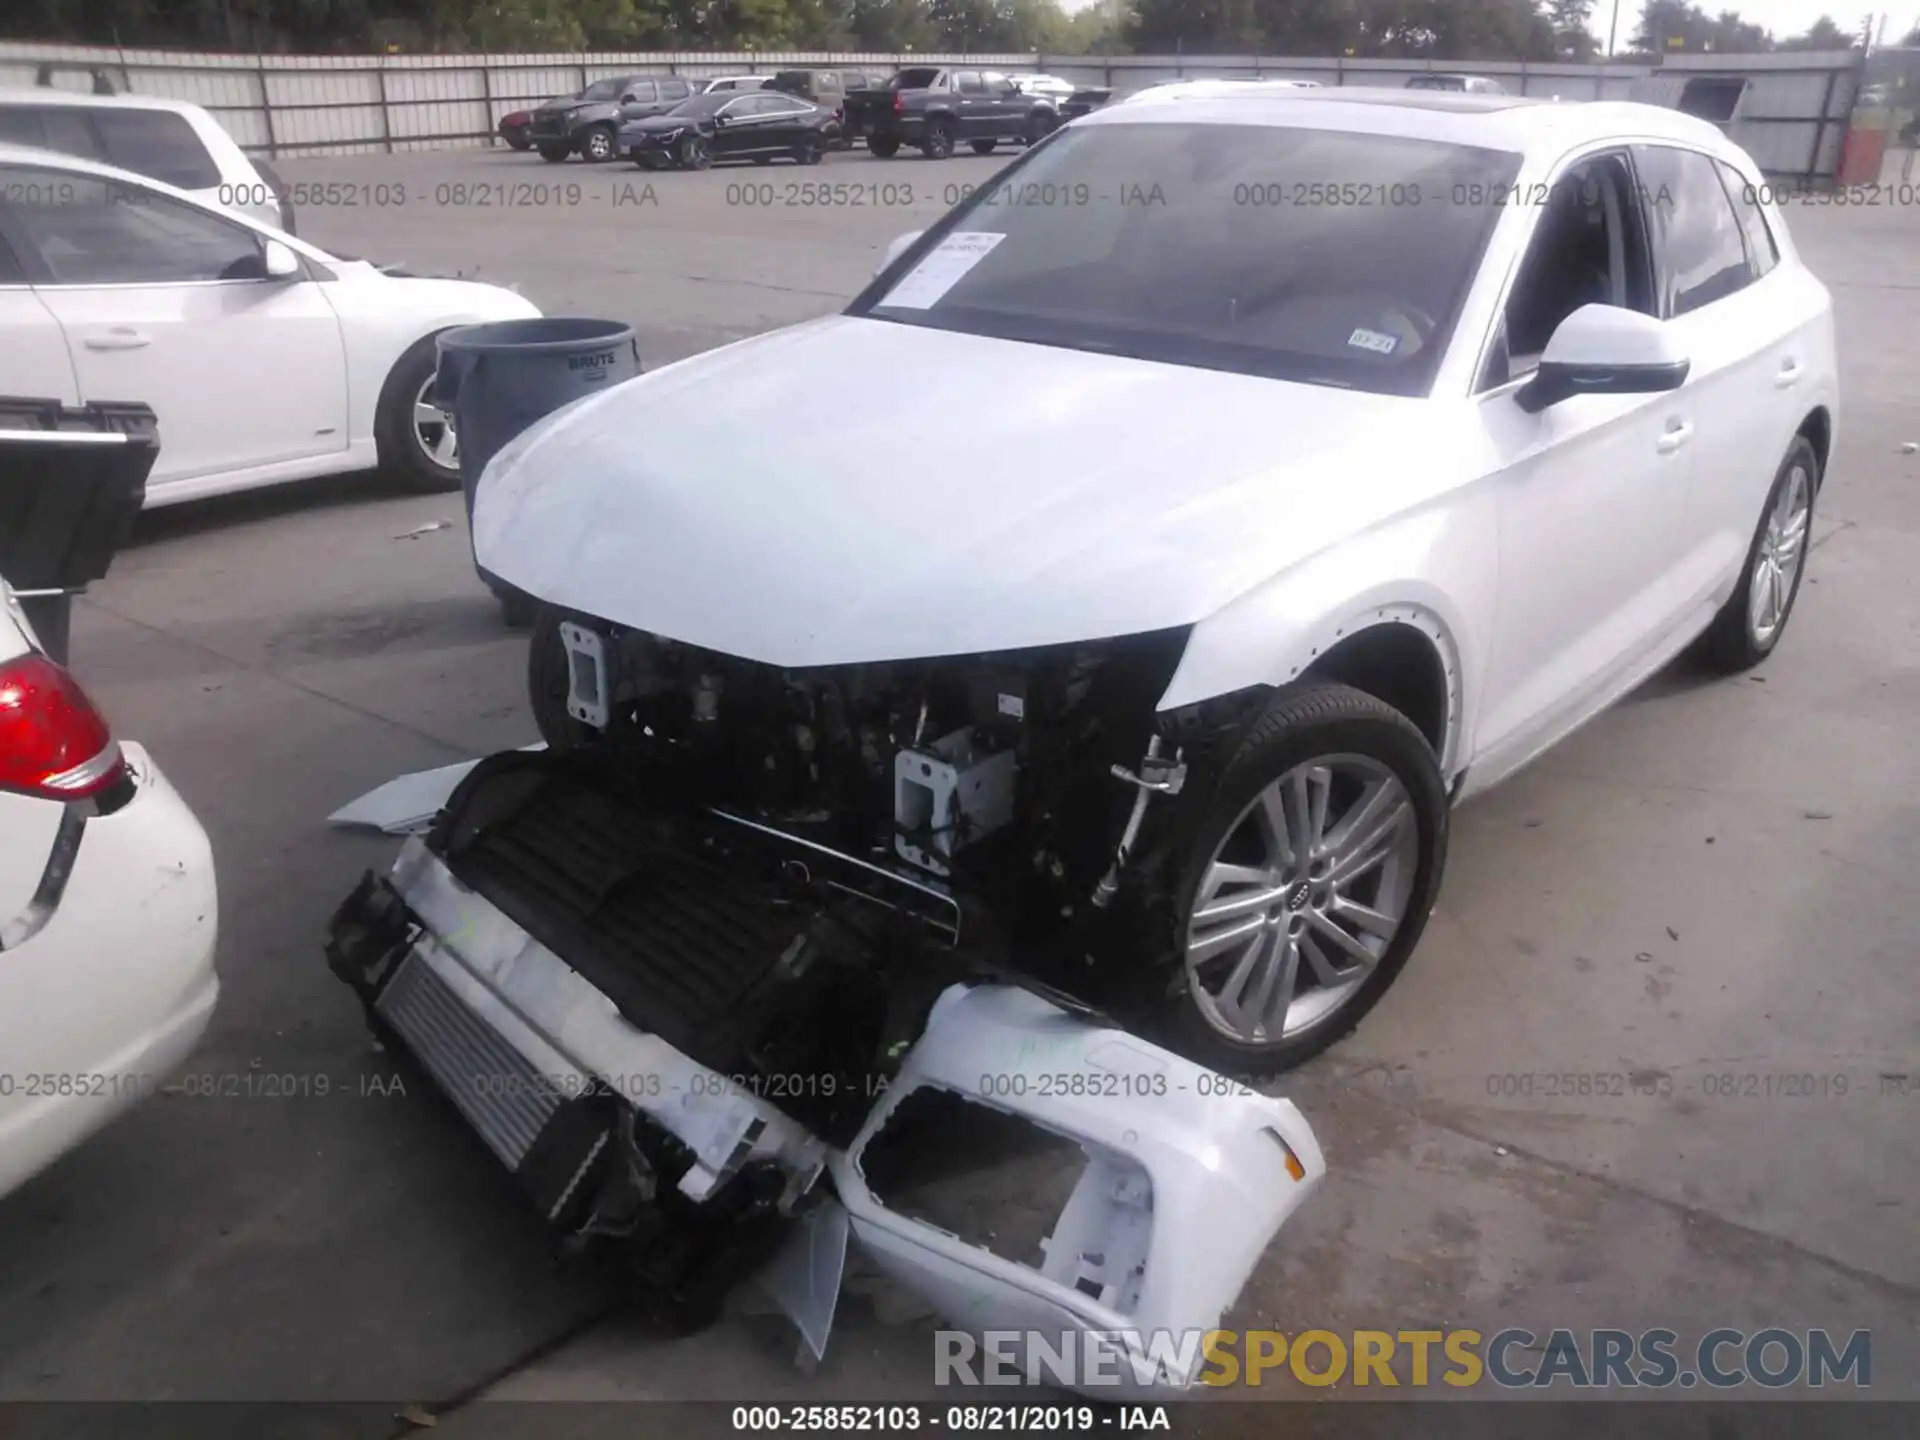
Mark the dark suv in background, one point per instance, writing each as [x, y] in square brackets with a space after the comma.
[588, 124]
[828, 88]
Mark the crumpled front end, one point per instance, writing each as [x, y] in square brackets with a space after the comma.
[688, 1062]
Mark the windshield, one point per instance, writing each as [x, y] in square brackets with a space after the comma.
[1312, 255]
[916, 79]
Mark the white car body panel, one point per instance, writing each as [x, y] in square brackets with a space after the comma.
[241, 189]
[1143, 1227]
[217, 360]
[113, 985]
[1553, 559]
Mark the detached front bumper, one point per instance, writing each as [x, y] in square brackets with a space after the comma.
[1184, 1178]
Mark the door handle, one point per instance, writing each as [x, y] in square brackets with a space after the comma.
[1678, 432]
[1788, 376]
[118, 338]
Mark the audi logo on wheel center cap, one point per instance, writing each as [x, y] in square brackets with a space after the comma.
[1299, 896]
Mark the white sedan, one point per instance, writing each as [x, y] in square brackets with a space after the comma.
[264, 358]
[107, 914]
[1396, 434]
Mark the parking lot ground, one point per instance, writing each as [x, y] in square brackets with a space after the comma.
[1657, 1063]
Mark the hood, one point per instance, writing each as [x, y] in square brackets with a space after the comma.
[854, 490]
[664, 122]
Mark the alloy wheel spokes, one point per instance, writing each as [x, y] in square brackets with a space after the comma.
[1322, 864]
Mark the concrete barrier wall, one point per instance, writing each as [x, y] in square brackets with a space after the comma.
[1793, 120]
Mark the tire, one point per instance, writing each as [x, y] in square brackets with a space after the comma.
[519, 142]
[403, 457]
[1364, 744]
[1040, 125]
[554, 154]
[599, 144]
[983, 147]
[693, 153]
[938, 144]
[885, 147]
[810, 151]
[547, 685]
[1736, 640]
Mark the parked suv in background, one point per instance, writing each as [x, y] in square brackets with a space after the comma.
[588, 123]
[829, 89]
[166, 140]
[1469, 84]
[935, 109]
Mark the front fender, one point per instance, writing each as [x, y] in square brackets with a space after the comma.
[1435, 570]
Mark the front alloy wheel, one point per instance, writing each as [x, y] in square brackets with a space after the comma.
[694, 154]
[433, 429]
[1305, 873]
[1302, 898]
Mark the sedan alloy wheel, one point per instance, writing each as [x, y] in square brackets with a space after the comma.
[433, 429]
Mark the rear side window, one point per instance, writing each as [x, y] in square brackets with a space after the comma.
[52, 127]
[1703, 257]
[1763, 252]
[157, 144]
[88, 231]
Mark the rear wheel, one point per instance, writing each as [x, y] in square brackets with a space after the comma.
[983, 147]
[884, 146]
[1041, 124]
[554, 154]
[1304, 879]
[938, 144]
[1752, 621]
[416, 439]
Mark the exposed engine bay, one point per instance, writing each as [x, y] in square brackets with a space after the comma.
[995, 799]
[682, 968]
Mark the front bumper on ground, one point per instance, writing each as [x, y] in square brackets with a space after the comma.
[1186, 1176]
[100, 1005]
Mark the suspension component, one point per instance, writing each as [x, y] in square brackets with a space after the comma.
[1158, 775]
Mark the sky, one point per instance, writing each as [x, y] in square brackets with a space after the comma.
[1782, 17]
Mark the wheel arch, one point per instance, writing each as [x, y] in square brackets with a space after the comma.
[1817, 427]
[1403, 644]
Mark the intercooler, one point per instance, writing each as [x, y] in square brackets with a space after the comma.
[496, 1087]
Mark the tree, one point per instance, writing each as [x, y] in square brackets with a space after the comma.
[1823, 34]
[1572, 40]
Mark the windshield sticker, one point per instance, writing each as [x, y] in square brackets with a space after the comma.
[1364, 339]
[941, 270]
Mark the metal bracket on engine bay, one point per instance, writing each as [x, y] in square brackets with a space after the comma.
[587, 698]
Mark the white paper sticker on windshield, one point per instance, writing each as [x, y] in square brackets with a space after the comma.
[1364, 339]
[952, 258]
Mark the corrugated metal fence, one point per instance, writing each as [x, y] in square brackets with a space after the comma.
[1793, 120]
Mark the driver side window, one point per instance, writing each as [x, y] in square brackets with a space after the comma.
[88, 231]
[1589, 246]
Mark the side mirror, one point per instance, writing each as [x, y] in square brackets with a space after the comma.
[1604, 350]
[897, 247]
[282, 263]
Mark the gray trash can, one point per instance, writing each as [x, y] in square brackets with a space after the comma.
[498, 379]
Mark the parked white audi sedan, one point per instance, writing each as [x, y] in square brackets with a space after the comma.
[265, 358]
[107, 914]
[1397, 433]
